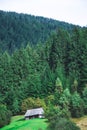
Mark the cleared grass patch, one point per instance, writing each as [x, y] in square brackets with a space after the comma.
[81, 122]
[19, 123]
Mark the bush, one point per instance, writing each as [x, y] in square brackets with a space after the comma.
[64, 124]
[49, 100]
[30, 103]
[5, 115]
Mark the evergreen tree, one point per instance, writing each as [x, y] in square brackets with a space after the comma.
[58, 90]
[74, 86]
[77, 105]
[84, 97]
[74, 54]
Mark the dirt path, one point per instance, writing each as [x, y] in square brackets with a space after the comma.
[81, 122]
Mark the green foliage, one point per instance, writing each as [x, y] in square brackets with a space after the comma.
[43, 70]
[49, 100]
[15, 106]
[64, 124]
[74, 86]
[59, 119]
[64, 101]
[52, 112]
[84, 97]
[67, 93]
[60, 73]
[5, 115]
[25, 28]
[27, 104]
[40, 103]
[58, 90]
[58, 83]
[77, 105]
[31, 103]
[48, 82]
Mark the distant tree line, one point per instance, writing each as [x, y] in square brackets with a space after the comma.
[17, 30]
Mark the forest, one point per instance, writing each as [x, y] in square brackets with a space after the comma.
[18, 30]
[50, 73]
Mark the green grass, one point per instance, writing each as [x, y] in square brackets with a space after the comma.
[18, 123]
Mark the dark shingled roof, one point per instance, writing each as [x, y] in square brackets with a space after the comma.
[37, 111]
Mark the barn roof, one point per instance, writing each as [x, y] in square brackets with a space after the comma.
[37, 111]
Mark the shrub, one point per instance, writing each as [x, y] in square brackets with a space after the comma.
[5, 115]
[49, 100]
[27, 103]
[64, 124]
[30, 103]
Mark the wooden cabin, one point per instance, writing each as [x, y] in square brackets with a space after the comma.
[34, 113]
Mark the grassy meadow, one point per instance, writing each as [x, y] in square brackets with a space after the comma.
[18, 123]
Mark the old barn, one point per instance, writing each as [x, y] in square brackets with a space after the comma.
[34, 113]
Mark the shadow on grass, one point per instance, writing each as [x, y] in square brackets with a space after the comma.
[22, 119]
[46, 121]
[12, 128]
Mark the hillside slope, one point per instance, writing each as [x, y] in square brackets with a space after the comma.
[18, 123]
[18, 29]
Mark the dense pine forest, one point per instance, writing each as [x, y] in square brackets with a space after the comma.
[18, 30]
[43, 63]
